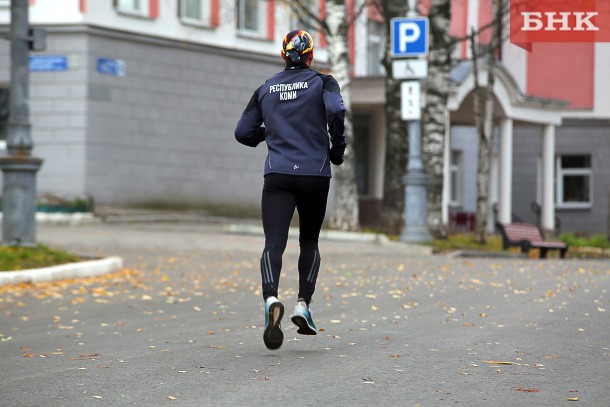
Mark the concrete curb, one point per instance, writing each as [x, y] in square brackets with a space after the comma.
[57, 218]
[340, 236]
[324, 234]
[64, 271]
[66, 218]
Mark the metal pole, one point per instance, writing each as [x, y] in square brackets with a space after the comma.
[19, 167]
[416, 181]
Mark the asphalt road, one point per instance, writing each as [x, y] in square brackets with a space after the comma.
[183, 323]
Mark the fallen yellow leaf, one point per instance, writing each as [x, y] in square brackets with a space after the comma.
[493, 362]
[526, 390]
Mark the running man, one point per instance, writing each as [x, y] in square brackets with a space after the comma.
[303, 113]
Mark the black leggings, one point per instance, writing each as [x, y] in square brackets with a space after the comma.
[281, 195]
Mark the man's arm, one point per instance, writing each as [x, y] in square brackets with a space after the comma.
[335, 117]
[248, 130]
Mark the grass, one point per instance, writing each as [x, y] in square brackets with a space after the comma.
[595, 246]
[466, 242]
[13, 258]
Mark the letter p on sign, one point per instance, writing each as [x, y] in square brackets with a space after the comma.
[407, 33]
[409, 36]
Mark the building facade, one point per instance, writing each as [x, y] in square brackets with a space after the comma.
[552, 121]
[134, 102]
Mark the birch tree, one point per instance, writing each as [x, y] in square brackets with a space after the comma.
[396, 137]
[483, 113]
[346, 204]
[335, 27]
[435, 114]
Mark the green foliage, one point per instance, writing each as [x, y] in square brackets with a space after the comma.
[579, 240]
[600, 241]
[13, 258]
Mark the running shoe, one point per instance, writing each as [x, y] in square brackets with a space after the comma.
[273, 335]
[301, 317]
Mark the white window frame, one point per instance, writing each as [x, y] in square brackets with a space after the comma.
[204, 20]
[5, 3]
[455, 168]
[378, 39]
[142, 10]
[262, 19]
[563, 172]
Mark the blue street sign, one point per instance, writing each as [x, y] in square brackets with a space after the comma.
[48, 63]
[409, 36]
[108, 66]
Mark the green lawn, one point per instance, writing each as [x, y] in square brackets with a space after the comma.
[14, 258]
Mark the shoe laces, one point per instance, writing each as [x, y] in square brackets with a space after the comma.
[303, 304]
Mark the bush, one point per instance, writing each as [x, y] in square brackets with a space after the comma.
[599, 240]
[577, 240]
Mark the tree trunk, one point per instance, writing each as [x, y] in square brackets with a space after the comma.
[483, 105]
[345, 210]
[485, 127]
[434, 115]
[396, 137]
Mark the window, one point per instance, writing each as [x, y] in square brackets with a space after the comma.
[5, 3]
[304, 21]
[195, 11]
[361, 148]
[375, 45]
[574, 186]
[455, 171]
[251, 16]
[4, 112]
[139, 7]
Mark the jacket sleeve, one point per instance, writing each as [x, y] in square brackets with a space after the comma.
[335, 117]
[249, 130]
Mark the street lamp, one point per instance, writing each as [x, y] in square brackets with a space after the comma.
[19, 167]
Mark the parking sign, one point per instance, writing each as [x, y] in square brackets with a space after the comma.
[409, 36]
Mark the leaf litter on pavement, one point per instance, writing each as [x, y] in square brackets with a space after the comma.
[395, 300]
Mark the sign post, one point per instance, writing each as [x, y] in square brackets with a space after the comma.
[410, 41]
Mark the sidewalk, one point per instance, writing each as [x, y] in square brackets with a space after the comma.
[183, 324]
[117, 215]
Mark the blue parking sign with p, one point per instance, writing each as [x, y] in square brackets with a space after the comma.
[409, 36]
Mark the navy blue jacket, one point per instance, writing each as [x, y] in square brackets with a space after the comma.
[300, 109]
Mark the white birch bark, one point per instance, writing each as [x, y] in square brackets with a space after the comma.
[483, 106]
[346, 206]
[434, 114]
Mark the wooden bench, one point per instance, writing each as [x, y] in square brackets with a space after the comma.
[529, 237]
